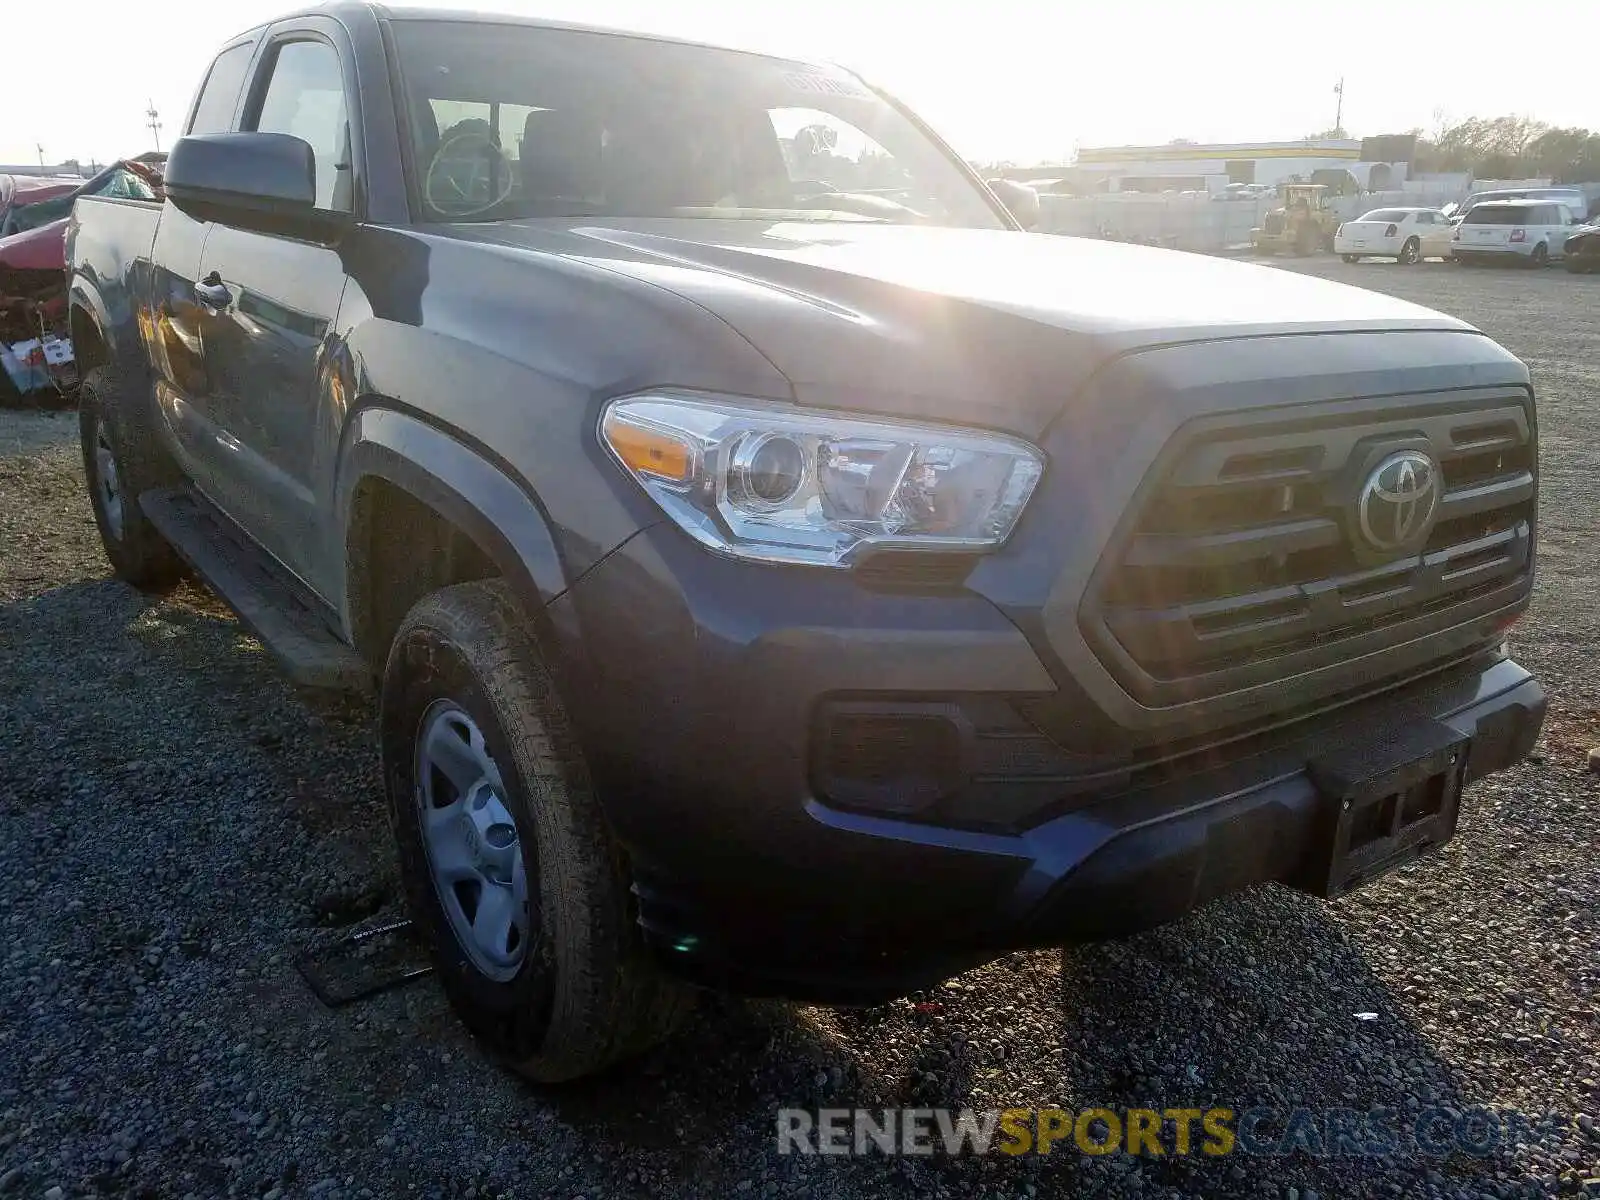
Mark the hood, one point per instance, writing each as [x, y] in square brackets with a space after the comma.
[996, 326]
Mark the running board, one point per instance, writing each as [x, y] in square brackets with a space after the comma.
[253, 586]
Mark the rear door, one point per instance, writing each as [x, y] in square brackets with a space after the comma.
[175, 322]
[271, 337]
[1434, 231]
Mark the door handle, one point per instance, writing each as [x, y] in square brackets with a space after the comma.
[212, 293]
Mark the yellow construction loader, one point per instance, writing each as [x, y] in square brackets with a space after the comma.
[1302, 224]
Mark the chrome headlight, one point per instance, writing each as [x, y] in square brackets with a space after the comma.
[790, 485]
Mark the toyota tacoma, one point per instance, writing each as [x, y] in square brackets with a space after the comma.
[778, 570]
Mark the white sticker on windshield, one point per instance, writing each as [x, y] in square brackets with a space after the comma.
[823, 85]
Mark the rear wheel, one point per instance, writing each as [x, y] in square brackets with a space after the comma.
[1350, 258]
[1540, 256]
[122, 459]
[509, 866]
[1411, 253]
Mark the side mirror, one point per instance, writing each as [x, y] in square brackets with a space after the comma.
[1021, 201]
[264, 181]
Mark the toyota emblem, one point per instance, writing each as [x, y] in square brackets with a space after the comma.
[1399, 501]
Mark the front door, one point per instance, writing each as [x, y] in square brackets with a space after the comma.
[279, 300]
[180, 319]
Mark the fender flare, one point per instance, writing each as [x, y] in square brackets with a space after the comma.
[86, 301]
[463, 484]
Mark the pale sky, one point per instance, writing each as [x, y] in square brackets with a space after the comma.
[1026, 80]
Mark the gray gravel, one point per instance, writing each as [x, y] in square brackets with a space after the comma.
[175, 826]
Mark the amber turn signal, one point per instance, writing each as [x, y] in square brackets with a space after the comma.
[649, 451]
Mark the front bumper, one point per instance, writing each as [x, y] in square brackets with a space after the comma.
[698, 684]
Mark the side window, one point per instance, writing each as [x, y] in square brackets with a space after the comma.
[213, 111]
[305, 98]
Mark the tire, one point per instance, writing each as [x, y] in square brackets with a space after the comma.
[1410, 253]
[1351, 258]
[1305, 241]
[122, 459]
[1540, 256]
[1574, 266]
[572, 990]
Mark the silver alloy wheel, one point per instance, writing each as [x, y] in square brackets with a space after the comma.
[107, 480]
[474, 854]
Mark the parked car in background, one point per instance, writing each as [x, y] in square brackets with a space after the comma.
[1407, 235]
[17, 190]
[1574, 198]
[1533, 232]
[1581, 254]
[125, 179]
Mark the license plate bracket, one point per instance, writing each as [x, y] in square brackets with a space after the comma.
[1385, 802]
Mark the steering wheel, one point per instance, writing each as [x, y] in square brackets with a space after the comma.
[460, 181]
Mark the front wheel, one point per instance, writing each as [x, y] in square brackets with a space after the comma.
[121, 460]
[1411, 253]
[1350, 258]
[509, 866]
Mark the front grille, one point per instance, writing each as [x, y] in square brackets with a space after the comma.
[1242, 550]
[1273, 223]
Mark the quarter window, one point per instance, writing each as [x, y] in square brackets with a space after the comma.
[219, 95]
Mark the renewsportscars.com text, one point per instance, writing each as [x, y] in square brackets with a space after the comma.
[1210, 1132]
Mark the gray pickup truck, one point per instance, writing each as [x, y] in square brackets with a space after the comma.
[777, 569]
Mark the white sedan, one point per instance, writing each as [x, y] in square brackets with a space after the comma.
[1407, 235]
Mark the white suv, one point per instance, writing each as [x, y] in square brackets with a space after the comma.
[1532, 231]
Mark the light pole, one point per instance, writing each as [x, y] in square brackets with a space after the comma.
[154, 124]
[39, 146]
[1338, 112]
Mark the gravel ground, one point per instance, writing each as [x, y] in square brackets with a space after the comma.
[175, 826]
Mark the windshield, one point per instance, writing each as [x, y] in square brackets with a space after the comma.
[1394, 215]
[510, 121]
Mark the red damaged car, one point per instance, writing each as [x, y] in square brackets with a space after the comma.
[33, 232]
[19, 190]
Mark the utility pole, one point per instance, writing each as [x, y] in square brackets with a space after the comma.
[1338, 113]
[154, 124]
[39, 146]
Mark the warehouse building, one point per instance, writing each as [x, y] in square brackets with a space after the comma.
[1373, 163]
